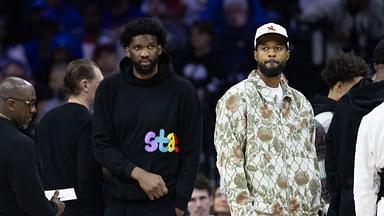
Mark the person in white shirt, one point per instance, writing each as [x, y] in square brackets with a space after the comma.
[369, 161]
[369, 155]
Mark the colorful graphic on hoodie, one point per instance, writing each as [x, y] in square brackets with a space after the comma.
[169, 143]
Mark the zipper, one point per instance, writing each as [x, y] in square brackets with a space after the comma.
[281, 107]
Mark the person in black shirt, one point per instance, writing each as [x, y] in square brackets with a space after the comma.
[21, 191]
[147, 131]
[64, 140]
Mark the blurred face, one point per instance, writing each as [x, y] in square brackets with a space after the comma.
[56, 79]
[23, 107]
[237, 14]
[271, 55]
[108, 62]
[157, 8]
[200, 39]
[220, 203]
[144, 52]
[14, 70]
[200, 203]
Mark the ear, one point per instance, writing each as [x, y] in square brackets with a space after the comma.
[84, 85]
[10, 104]
[160, 49]
[126, 50]
[255, 54]
[339, 87]
[288, 54]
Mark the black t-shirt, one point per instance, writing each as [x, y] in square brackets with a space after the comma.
[64, 140]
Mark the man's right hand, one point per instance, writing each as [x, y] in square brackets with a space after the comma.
[152, 184]
[59, 204]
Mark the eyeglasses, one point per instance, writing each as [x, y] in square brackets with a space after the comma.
[28, 103]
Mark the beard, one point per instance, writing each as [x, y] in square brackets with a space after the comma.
[145, 69]
[271, 71]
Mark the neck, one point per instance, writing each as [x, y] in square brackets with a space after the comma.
[272, 82]
[79, 100]
[333, 95]
[145, 76]
[379, 75]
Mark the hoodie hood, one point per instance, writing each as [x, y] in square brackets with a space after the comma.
[165, 71]
[321, 103]
[366, 95]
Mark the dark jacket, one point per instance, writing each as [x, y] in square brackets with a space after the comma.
[341, 139]
[21, 191]
[154, 124]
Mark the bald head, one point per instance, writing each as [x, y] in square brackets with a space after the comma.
[14, 87]
[18, 100]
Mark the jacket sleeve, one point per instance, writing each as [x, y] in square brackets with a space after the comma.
[230, 141]
[366, 178]
[25, 181]
[106, 152]
[190, 146]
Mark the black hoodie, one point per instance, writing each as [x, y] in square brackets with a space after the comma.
[342, 134]
[154, 124]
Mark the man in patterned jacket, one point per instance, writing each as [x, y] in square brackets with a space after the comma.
[264, 137]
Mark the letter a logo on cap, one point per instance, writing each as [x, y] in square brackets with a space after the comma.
[270, 28]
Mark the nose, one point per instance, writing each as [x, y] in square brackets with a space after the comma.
[271, 53]
[33, 109]
[144, 53]
[198, 202]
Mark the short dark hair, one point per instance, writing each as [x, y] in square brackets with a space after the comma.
[378, 53]
[141, 26]
[343, 67]
[202, 183]
[76, 71]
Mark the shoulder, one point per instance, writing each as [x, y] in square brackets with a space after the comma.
[375, 116]
[182, 83]
[110, 81]
[19, 145]
[241, 89]
[297, 94]
[300, 98]
[237, 96]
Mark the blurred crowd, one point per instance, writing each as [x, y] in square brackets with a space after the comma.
[210, 41]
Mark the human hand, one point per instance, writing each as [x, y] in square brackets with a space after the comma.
[59, 204]
[179, 212]
[152, 184]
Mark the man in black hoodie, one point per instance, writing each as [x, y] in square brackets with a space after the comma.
[147, 128]
[341, 138]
